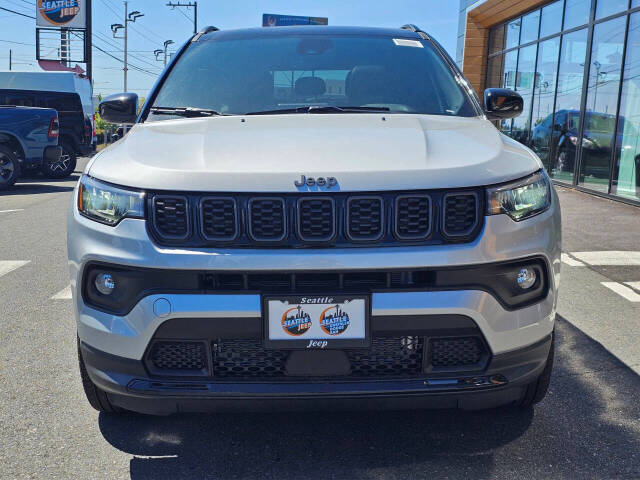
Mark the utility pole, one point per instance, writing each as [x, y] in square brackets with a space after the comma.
[195, 12]
[126, 31]
[9, 59]
[128, 17]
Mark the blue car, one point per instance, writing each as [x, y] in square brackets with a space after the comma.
[28, 140]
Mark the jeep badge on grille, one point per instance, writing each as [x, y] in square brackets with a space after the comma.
[312, 182]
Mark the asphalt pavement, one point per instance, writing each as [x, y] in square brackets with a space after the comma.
[587, 427]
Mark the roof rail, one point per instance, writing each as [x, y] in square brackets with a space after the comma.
[414, 28]
[204, 31]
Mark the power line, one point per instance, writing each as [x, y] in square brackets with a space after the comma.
[17, 13]
[18, 43]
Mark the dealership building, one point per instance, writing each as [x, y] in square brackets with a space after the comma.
[576, 64]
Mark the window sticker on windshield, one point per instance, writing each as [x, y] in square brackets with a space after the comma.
[404, 42]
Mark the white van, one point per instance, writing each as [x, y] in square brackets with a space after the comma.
[69, 82]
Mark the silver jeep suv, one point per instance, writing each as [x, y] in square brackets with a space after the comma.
[314, 217]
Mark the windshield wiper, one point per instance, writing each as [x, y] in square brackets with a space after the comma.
[321, 109]
[185, 111]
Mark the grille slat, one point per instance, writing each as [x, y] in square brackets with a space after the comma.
[219, 218]
[171, 216]
[267, 219]
[460, 213]
[316, 219]
[413, 217]
[365, 220]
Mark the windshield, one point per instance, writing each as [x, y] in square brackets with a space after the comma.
[285, 73]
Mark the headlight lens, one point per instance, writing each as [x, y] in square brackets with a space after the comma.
[108, 204]
[521, 199]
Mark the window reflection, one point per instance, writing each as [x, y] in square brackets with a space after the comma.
[576, 13]
[602, 102]
[494, 71]
[509, 81]
[626, 172]
[513, 33]
[543, 96]
[551, 21]
[604, 8]
[496, 39]
[529, 29]
[567, 117]
[524, 86]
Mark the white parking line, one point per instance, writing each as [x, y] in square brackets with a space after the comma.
[8, 211]
[64, 294]
[623, 291]
[608, 258]
[572, 262]
[7, 266]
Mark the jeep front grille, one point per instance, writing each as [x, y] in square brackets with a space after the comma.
[322, 220]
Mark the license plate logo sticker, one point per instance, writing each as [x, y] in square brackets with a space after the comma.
[334, 320]
[295, 321]
[300, 318]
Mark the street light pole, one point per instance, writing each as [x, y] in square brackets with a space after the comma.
[166, 45]
[126, 31]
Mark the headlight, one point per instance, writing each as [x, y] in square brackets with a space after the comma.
[108, 204]
[521, 199]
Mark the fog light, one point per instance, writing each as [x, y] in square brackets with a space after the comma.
[526, 278]
[105, 283]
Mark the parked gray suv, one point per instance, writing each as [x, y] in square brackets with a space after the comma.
[314, 217]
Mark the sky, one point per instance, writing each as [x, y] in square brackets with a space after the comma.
[160, 23]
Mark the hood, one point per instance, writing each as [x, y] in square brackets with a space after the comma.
[364, 152]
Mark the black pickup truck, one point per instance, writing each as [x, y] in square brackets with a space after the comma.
[28, 140]
[76, 131]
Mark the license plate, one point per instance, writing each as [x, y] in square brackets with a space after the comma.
[316, 321]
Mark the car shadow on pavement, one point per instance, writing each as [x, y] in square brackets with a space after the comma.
[36, 185]
[587, 426]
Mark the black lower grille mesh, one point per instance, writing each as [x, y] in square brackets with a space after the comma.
[455, 352]
[178, 355]
[388, 357]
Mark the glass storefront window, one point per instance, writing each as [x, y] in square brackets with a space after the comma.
[496, 39]
[576, 13]
[543, 96]
[509, 81]
[567, 114]
[529, 29]
[494, 72]
[513, 33]
[604, 8]
[635, 3]
[551, 21]
[626, 172]
[524, 86]
[602, 102]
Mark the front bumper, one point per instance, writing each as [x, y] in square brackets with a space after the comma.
[503, 382]
[114, 345]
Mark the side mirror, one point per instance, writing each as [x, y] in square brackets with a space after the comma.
[501, 103]
[120, 108]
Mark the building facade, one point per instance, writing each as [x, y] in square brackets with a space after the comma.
[576, 64]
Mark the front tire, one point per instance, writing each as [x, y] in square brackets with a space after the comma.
[97, 397]
[9, 168]
[537, 390]
[65, 166]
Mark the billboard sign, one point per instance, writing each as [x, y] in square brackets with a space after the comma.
[272, 20]
[61, 13]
